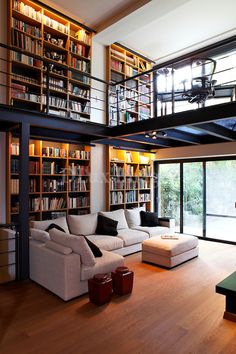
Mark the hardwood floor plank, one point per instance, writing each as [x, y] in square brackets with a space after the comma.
[169, 312]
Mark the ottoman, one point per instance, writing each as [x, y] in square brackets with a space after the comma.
[169, 252]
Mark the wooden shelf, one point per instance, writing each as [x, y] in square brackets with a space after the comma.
[42, 182]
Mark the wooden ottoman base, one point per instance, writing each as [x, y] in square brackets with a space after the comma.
[171, 253]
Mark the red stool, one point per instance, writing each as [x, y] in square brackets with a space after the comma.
[122, 281]
[100, 289]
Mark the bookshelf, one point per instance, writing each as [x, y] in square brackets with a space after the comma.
[65, 44]
[129, 182]
[135, 96]
[59, 179]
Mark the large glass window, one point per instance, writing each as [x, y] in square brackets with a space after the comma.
[200, 195]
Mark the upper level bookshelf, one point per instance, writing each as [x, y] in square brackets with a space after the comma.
[65, 45]
[59, 179]
[130, 179]
[131, 101]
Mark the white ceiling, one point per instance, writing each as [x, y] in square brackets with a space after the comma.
[160, 29]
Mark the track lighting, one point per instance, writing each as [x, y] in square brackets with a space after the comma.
[154, 135]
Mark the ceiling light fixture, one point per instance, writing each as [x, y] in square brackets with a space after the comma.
[154, 135]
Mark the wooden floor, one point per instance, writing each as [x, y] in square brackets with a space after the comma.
[170, 311]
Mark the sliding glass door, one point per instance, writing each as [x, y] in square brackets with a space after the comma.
[221, 200]
[193, 198]
[200, 195]
[169, 192]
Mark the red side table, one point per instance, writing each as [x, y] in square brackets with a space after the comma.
[122, 281]
[100, 289]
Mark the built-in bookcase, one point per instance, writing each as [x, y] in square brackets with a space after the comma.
[129, 179]
[59, 179]
[65, 44]
[131, 101]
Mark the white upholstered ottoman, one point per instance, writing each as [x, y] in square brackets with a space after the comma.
[169, 252]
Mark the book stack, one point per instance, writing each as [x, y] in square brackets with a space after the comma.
[25, 59]
[34, 167]
[131, 183]
[55, 24]
[14, 186]
[15, 166]
[117, 65]
[81, 78]
[129, 170]
[32, 185]
[78, 184]
[77, 91]
[83, 36]
[14, 148]
[116, 170]
[144, 197]
[24, 27]
[143, 183]
[53, 203]
[77, 49]
[131, 197]
[55, 101]
[22, 41]
[78, 170]
[54, 84]
[78, 202]
[82, 107]
[80, 154]
[54, 185]
[145, 171]
[27, 10]
[80, 64]
[117, 183]
[50, 151]
[117, 197]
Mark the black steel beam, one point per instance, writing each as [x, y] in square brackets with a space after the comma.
[16, 115]
[23, 255]
[217, 130]
[127, 144]
[201, 115]
[154, 142]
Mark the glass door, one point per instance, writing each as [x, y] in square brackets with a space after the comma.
[193, 198]
[169, 192]
[221, 200]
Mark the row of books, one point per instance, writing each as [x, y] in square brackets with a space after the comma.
[131, 196]
[143, 183]
[15, 164]
[24, 42]
[14, 148]
[51, 168]
[55, 101]
[55, 84]
[145, 110]
[51, 151]
[83, 36]
[78, 184]
[22, 26]
[130, 170]
[80, 77]
[80, 64]
[144, 197]
[25, 59]
[82, 107]
[116, 170]
[78, 91]
[27, 10]
[131, 183]
[33, 185]
[116, 198]
[14, 186]
[25, 79]
[79, 154]
[78, 170]
[54, 185]
[78, 202]
[145, 171]
[130, 71]
[55, 24]
[34, 167]
[79, 49]
[25, 96]
[117, 65]
[117, 183]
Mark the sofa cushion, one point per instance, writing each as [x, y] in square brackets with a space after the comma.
[39, 235]
[94, 248]
[42, 225]
[106, 226]
[170, 248]
[108, 243]
[133, 216]
[54, 226]
[57, 247]
[106, 264]
[77, 243]
[130, 237]
[153, 231]
[82, 224]
[118, 215]
[149, 219]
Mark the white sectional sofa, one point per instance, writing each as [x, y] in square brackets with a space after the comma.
[60, 268]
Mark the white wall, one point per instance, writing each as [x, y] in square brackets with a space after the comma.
[222, 149]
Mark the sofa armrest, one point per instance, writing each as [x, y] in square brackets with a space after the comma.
[168, 222]
[57, 272]
[7, 234]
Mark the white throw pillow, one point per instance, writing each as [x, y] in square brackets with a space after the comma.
[43, 225]
[133, 216]
[118, 215]
[39, 235]
[82, 224]
[58, 247]
[77, 243]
